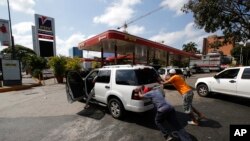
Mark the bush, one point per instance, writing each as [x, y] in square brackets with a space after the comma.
[73, 64]
[37, 73]
[36, 64]
[58, 65]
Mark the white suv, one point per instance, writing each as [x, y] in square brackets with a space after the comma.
[114, 87]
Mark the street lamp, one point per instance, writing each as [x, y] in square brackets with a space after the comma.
[241, 55]
[12, 38]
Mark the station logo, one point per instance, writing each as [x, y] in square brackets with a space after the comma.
[44, 23]
[239, 132]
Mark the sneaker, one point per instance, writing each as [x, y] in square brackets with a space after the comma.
[169, 138]
[193, 123]
[86, 106]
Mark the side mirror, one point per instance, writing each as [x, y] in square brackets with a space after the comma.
[215, 76]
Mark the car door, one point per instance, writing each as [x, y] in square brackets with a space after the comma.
[90, 81]
[102, 85]
[75, 88]
[226, 82]
[243, 84]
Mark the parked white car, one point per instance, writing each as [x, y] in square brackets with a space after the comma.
[231, 81]
[164, 72]
[114, 87]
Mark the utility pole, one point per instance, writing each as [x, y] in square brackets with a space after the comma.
[241, 56]
[12, 38]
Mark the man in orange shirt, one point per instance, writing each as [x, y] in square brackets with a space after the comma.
[187, 94]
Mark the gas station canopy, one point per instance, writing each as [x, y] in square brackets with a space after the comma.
[142, 50]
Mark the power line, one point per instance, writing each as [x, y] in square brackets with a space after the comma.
[140, 17]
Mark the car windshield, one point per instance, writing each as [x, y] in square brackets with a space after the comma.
[136, 77]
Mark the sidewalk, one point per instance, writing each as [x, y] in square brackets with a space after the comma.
[27, 82]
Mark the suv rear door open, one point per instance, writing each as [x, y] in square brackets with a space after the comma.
[75, 86]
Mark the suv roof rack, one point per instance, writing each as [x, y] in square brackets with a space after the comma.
[118, 66]
[123, 66]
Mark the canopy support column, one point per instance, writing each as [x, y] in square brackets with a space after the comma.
[133, 61]
[147, 55]
[167, 59]
[102, 60]
[115, 47]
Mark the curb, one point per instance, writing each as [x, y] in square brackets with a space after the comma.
[19, 87]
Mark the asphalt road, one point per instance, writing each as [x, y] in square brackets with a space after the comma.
[43, 114]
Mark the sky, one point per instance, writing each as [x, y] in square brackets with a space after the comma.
[78, 20]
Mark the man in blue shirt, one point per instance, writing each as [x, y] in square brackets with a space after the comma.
[165, 111]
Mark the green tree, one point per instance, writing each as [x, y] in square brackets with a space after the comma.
[21, 52]
[96, 64]
[215, 45]
[230, 16]
[73, 64]
[190, 47]
[235, 52]
[58, 65]
[36, 64]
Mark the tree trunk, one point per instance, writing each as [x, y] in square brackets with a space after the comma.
[59, 79]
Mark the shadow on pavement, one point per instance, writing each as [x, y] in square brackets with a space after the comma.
[232, 99]
[94, 111]
[183, 118]
[145, 119]
[209, 123]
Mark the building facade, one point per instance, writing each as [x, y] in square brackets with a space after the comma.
[224, 48]
[75, 52]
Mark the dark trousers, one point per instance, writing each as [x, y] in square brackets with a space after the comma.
[170, 117]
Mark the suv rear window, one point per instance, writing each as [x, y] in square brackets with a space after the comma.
[161, 71]
[136, 77]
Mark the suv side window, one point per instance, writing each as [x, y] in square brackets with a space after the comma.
[229, 74]
[126, 77]
[246, 73]
[161, 71]
[146, 76]
[103, 76]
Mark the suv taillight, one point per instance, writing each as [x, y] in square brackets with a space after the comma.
[135, 95]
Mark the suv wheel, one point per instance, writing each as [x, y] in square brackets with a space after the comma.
[202, 90]
[116, 108]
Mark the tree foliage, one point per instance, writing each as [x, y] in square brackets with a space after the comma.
[73, 64]
[20, 52]
[190, 47]
[235, 52]
[215, 45]
[58, 65]
[232, 17]
[35, 65]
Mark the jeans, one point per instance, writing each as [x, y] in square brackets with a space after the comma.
[170, 117]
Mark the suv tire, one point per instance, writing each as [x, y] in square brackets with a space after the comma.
[116, 108]
[202, 90]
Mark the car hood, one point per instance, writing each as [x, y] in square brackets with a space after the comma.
[205, 78]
